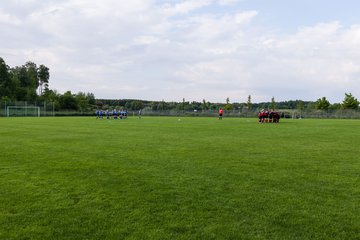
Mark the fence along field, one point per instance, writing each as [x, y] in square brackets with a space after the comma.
[48, 109]
[160, 178]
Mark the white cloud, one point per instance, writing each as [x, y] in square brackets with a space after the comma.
[145, 40]
[228, 2]
[184, 7]
[245, 17]
[6, 18]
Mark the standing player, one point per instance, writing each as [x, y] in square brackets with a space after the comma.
[221, 112]
[121, 114]
[114, 114]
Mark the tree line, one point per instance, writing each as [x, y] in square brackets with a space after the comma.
[349, 102]
[22, 82]
[30, 83]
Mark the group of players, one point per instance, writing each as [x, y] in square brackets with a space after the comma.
[121, 114]
[266, 116]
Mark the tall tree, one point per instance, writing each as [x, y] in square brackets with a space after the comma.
[20, 82]
[249, 104]
[32, 74]
[25, 82]
[273, 104]
[43, 76]
[350, 102]
[5, 80]
[91, 98]
[322, 104]
[205, 105]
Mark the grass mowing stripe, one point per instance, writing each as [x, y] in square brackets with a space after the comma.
[197, 178]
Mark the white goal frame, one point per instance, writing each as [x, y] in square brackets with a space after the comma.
[25, 110]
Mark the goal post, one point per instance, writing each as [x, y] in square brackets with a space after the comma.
[22, 111]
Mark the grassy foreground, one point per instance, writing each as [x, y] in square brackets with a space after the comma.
[161, 178]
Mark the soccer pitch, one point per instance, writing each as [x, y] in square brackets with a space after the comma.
[165, 178]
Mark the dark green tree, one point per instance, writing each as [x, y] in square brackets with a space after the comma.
[335, 106]
[204, 105]
[91, 99]
[20, 83]
[33, 80]
[350, 102]
[25, 82]
[128, 105]
[51, 96]
[5, 80]
[81, 101]
[322, 104]
[162, 105]
[68, 101]
[136, 105]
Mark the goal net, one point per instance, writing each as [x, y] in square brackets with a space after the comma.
[22, 111]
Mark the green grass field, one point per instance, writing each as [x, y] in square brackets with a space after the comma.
[160, 178]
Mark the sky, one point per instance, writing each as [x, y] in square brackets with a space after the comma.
[192, 49]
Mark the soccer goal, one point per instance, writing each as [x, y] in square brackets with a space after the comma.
[22, 111]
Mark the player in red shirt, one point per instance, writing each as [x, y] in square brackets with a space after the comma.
[221, 112]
